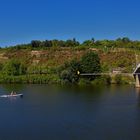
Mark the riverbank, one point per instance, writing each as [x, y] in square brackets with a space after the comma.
[109, 80]
[52, 79]
[59, 65]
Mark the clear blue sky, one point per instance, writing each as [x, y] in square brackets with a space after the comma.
[24, 20]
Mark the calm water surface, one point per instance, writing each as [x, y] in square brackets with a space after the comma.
[72, 113]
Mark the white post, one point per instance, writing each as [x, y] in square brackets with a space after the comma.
[137, 84]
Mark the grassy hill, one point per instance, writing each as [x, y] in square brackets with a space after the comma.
[46, 62]
[39, 64]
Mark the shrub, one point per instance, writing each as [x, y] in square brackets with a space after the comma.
[118, 79]
[90, 63]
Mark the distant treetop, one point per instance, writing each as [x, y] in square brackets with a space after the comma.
[124, 42]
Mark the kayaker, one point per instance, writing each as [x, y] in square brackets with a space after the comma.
[12, 93]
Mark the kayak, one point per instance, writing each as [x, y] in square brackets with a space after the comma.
[16, 95]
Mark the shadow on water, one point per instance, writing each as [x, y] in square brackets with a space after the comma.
[87, 90]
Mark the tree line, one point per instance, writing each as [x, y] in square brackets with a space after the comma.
[124, 42]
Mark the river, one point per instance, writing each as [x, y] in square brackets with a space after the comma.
[70, 113]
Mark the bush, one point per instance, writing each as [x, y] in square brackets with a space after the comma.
[90, 63]
[83, 82]
[14, 68]
[118, 79]
[68, 72]
[104, 80]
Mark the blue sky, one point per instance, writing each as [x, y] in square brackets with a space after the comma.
[24, 20]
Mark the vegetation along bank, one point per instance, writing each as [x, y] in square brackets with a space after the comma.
[62, 62]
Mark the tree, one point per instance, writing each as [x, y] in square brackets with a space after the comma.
[14, 67]
[90, 63]
[1, 66]
[55, 43]
[125, 39]
[72, 43]
[69, 72]
[92, 39]
[47, 43]
[35, 43]
[22, 68]
[88, 43]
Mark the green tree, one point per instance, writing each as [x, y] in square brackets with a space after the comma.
[90, 63]
[118, 79]
[22, 68]
[88, 43]
[125, 39]
[47, 43]
[72, 43]
[69, 72]
[1, 66]
[35, 43]
[14, 67]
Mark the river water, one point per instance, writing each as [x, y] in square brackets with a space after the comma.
[70, 113]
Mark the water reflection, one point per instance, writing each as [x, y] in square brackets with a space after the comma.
[137, 91]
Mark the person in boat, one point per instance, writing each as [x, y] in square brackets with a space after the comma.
[13, 93]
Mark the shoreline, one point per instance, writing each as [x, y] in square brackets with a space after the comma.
[55, 79]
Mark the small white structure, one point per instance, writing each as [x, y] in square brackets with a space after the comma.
[136, 74]
[117, 70]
